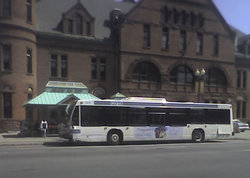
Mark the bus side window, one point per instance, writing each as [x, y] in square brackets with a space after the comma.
[221, 116]
[156, 117]
[196, 116]
[75, 117]
[116, 116]
[137, 117]
[92, 116]
[177, 117]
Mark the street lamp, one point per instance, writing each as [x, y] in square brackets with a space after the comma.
[200, 77]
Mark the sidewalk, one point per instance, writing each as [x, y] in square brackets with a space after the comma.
[13, 139]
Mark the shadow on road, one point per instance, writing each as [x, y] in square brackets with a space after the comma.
[72, 144]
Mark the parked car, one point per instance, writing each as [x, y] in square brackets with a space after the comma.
[240, 126]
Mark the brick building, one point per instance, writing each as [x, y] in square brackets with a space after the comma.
[145, 48]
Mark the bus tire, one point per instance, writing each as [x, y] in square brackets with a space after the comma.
[198, 136]
[114, 137]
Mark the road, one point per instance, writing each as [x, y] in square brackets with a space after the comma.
[230, 158]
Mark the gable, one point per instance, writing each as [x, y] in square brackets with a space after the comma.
[77, 20]
[151, 12]
[50, 13]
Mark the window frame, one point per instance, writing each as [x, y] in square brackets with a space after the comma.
[199, 43]
[216, 45]
[64, 66]
[6, 8]
[146, 36]
[54, 65]
[165, 38]
[183, 40]
[29, 10]
[179, 71]
[6, 48]
[7, 105]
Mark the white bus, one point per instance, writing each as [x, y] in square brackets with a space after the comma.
[145, 119]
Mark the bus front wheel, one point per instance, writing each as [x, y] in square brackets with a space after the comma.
[114, 137]
[198, 136]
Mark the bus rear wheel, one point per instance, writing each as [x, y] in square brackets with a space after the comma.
[114, 137]
[198, 136]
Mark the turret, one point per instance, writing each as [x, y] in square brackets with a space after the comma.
[18, 60]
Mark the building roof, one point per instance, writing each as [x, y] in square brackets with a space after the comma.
[50, 13]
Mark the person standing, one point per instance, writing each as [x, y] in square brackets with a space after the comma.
[44, 127]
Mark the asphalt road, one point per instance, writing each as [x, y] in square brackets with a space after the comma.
[230, 159]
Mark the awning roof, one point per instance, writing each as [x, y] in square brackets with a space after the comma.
[59, 93]
[48, 98]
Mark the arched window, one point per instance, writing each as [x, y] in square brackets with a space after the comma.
[182, 75]
[215, 77]
[146, 71]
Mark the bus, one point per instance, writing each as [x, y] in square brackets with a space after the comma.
[145, 119]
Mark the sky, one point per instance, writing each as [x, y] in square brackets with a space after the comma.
[236, 13]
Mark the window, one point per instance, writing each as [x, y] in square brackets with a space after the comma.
[241, 109]
[176, 16]
[182, 75]
[70, 26]
[182, 117]
[98, 68]
[146, 35]
[216, 78]
[88, 28]
[137, 117]
[6, 8]
[201, 20]
[183, 17]
[115, 116]
[64, 66]
[93, 116]
[241, 79]
[6, 55]
[177, 117]
[54, 65]
[156, 117]
[93, 68]
[7, 105]
[29, 10]
[29, 61]
[79, 25]
[59, 65]
[165, 39]
[183, 40]
[30, 96]
[166, 14]
[199, 43]
[216, 45]
[193, 19]
[102, 69]
[146, 71]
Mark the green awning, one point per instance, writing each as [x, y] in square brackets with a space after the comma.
[48, 98]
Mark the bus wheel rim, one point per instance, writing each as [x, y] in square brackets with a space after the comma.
[115, 137]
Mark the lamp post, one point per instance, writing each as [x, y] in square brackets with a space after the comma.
[200, 76]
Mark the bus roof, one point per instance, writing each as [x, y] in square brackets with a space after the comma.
[152, 103]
